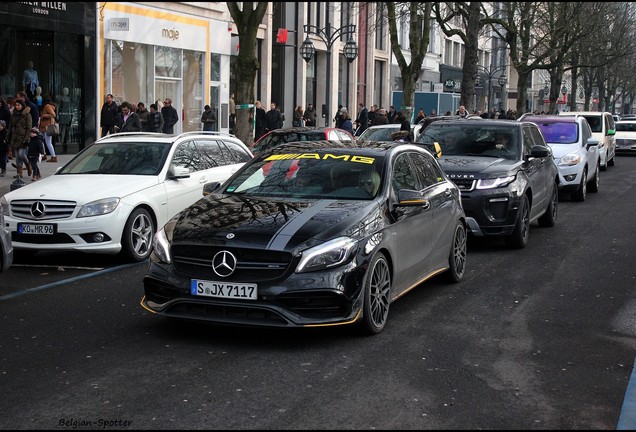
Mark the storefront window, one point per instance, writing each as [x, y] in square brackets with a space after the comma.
[129, 66]
[193, 92]
[168, 62]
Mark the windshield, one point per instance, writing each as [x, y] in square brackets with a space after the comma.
[274, 139]
[334, 174]
[473, 139]
[132, 158]
[559, 133]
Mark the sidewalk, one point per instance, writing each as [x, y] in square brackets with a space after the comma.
[46, 169]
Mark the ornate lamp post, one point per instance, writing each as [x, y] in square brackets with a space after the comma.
[490, 74]
[329, 36]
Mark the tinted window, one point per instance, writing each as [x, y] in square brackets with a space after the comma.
[595, 123]
[188, 156]
[626, 127]
[236, 153]
[559, 133]
[426, 169]
[211, 154]
[404, 176]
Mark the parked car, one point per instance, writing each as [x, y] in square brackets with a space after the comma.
[381, 133]
[352, 231]
[303, 133]
[575, 152]
[6, 246]
[604, 130]
[504, 188]
[112, 196]
[626, 136]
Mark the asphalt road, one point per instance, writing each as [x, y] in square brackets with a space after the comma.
[539, 338]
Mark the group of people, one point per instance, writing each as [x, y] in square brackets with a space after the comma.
[160, 117]
[25, 136]
[267, 121]
[375, 115]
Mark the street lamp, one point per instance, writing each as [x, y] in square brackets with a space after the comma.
[490, 73]
[329, 36]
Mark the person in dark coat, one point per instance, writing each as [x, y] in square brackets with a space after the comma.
[33, 108]
[380, 118]
[35, 151]
[128, 119]
[208, 118]
[310, 115]
[260, 121]
[362, 121]
[274, 118]
[155, 119]
[170, 116]
[144, 115]
[108, 116]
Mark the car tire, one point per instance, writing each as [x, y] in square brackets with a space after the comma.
[593, 184]
[137, 237]
[581, 193]
[549, 218]
[519, 237]
[457, 256]
[612, 161]
[377, 295]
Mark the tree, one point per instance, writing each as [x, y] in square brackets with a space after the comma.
[247, 17]
[419, 19]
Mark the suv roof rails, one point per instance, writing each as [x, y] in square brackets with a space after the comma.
[120, 134]
[206, 133]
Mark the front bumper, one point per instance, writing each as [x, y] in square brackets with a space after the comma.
[491, 212]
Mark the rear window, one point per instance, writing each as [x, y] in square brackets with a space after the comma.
[626, 127]
[595, 123]
[559, 133]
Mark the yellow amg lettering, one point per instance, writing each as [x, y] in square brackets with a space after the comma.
[309, 156]
[362, 159]
[330, 156]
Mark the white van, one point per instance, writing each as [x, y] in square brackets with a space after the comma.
[603, 129]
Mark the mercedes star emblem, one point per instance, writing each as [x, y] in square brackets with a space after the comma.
[37, 209]
[224, 263]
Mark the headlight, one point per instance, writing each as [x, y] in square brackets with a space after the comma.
[161, 246]
[96, 208]
[570, 159]
[330, 254]
[494, 183]
[5, 205]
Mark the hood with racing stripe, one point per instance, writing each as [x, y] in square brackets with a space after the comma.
[283, 225]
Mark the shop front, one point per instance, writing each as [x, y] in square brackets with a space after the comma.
[47, 50]
[151, 54]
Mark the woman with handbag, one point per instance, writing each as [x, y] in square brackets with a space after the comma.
[49, 127]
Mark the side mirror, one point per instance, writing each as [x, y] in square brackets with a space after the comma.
[210, 188]
[412, 198]
[177, 172]
[540, 151]
[592, 142]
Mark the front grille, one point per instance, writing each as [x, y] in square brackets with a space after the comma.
[253, 265]
[464, 184]
[228, 314]
[52, 209]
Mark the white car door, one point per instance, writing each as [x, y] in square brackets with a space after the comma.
[187, 188]
[224, 158]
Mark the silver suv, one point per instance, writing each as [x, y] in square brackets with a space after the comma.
[575, 151]
[604, 130]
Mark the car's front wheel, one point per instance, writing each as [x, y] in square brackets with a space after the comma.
[519, 237]
[581, 193]
[549, 218]
[457, 257]
[377, 295]
[137, 236]
[593, 184]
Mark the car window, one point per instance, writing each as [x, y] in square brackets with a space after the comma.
[626, 127]
[211, 154]
[404, 176]
[187, 155]
[237, 153]
[559, 133]
[427, 171]
[595, 123]
[528, 141]
[609, 123]
[343, 136]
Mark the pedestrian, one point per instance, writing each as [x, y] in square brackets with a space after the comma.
[462, 112]
[274, 118]
[372, 112]
[380, 118]
[155, 119]
[128, 120]
[346, 121]
[170, 116]
[35, 152]
[19, 136]
[4, 146]
[208, 118]
[144, 117]
[108, 115]
[260, 126]
[391, 114]
[5, 116]
[32, 108]
[310, 115]
[298, 117]
[48, 117]
[362, 120]
[420, 116]
[232, 113]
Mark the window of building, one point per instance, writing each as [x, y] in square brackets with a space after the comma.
[378, 82]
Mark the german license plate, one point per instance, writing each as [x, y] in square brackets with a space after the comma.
[36, 229]
[236, 291]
